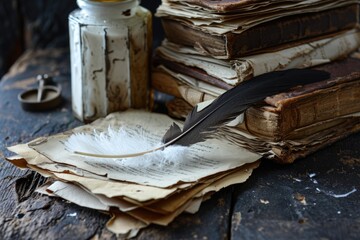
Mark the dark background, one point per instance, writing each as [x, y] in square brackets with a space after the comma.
[42, 24]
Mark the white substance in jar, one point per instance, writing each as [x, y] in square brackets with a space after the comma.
[110, 44]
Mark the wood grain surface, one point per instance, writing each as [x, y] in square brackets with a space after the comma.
[278, 202]
[270, 205]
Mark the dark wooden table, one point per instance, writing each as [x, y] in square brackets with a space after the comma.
[298, 201]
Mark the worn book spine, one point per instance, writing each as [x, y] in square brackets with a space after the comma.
[300, 108]
[163, 82]
[290, 115]
[287, 153]
[272, 35]
[300, 143]
[190, 71]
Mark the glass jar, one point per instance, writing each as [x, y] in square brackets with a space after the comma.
[110, 45]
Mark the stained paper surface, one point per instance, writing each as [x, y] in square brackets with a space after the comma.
[135, 195]
[202, 159]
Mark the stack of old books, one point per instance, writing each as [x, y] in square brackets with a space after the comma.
[211, 46]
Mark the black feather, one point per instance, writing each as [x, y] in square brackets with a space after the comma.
[198, 126]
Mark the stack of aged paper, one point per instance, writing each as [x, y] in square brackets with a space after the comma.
[228, 73]
[240, 15]
[236, 28]
[289, 125]
[136, 191]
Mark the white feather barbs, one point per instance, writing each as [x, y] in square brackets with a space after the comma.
[122, 144]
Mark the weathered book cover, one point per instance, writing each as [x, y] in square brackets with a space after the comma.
[194, 72]
[184, 59]
[163, 81]
[281, 115]
[270, 36]
[284, 150]
[293, 124]
[226, 6]
[284, 114]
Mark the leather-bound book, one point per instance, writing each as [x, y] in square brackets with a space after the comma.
[289, 125]
[226, 73]
[283, 32]
[306, 110]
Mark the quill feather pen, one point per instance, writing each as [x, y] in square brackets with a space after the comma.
[200, 125]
